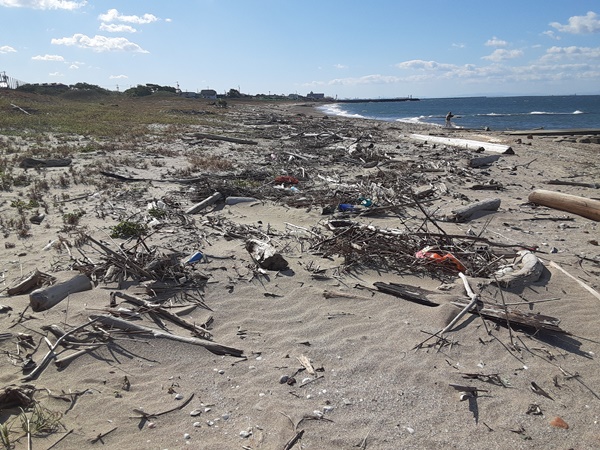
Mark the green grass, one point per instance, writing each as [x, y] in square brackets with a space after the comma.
[100, 116]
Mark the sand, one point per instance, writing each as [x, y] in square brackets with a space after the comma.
[370, 387]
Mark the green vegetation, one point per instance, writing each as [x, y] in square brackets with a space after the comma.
[93, 114]
[128, 229]
[72, 218]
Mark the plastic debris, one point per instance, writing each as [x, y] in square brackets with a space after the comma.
[440, 257]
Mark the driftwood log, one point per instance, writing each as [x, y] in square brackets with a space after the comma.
[581, 206]
[124, 325]
[467, 212]
[204, 203]
[215, 137]
[28, 163]
[483, 161]
[465, 143]
[45, 298]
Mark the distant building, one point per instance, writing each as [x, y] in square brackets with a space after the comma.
[314, 96]
[189, 94]
[208, 93]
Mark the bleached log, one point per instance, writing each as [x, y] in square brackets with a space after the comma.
[204, 203]
[465, 143]
[124, 325]
[45, 298]
[581, 206]
[465, 213]
[530, 271]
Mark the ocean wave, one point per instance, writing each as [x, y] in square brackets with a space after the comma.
[422, 120]
[334, 109]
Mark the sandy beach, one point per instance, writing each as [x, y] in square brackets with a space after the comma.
[293, 344]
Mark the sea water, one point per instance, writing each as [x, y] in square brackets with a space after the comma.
[495, 113]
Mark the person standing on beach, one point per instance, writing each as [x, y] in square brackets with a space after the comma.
[449, 117]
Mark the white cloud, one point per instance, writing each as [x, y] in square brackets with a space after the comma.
[551, 34]
[420, 64]
[43, 4]
[113, 28]
[367, 79]
[501, 54]
[118, 77]
[114, 16]
[590, 23]
[74, 67]
[48, 58]
[557, 53]
[100, 43]
[459, 45]
[55, 74]
[495, 42]
[340, 66]
[7, 49]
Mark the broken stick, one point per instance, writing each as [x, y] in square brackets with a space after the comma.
[213, 347]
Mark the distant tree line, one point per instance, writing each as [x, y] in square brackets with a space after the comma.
[141, 90]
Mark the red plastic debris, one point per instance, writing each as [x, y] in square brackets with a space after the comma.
[286, 179]
[440, 257]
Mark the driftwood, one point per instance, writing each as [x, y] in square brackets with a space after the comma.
[45, 298]
[497, 313]
[465, 213]
[515, 316]
[465, 143]
[154, 180]
[156, 308]
[574, 183]
[213, 347]
[411, 293]
[581, 206]
[483, 161]
[223, 138]
[530, 271]
[28, 163]
[34, 280]
[51, 354]
[204, 203]
[581, 283]
[474, 299]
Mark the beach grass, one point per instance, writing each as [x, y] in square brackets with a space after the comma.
[99, 116]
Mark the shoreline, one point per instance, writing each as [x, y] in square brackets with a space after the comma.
[327, 355]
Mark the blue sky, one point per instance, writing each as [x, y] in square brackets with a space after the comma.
[344, 48]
